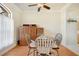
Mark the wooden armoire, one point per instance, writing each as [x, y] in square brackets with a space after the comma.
[30, 29]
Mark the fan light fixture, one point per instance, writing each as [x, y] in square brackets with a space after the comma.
[41, 5]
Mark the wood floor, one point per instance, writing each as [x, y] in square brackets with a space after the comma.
[22, 51]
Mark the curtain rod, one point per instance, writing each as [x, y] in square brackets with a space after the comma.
[3, 10]
[7, 10]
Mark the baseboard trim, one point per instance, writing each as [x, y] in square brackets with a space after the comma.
[6, 50]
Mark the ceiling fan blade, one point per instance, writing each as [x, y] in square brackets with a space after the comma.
[39, 9]
[32, 5]
[45, 6]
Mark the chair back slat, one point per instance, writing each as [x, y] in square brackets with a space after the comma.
[44, 44]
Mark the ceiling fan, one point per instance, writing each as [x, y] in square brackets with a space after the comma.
[40, 5]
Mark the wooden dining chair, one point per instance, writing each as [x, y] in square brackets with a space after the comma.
[31, 45]
[57, 42]
[44, 45]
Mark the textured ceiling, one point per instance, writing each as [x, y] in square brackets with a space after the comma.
[54, 6]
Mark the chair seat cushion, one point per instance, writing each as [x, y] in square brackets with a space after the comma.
[32, 44]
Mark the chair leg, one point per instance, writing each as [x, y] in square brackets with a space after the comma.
[57, 52]
[28, 52]
[52, 53]
[34, 52]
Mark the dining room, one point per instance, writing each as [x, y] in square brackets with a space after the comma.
[39, 29]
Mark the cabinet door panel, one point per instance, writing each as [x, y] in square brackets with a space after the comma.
[33, 32]
[40, 31]
[22, 39]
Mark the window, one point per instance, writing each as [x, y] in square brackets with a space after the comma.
[6, 31]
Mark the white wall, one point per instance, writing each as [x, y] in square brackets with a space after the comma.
[71, 41]
[69, 30]
[49, 19]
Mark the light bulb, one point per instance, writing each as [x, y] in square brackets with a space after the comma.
[39, 5]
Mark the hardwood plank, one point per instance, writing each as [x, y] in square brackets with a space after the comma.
[22, 51]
